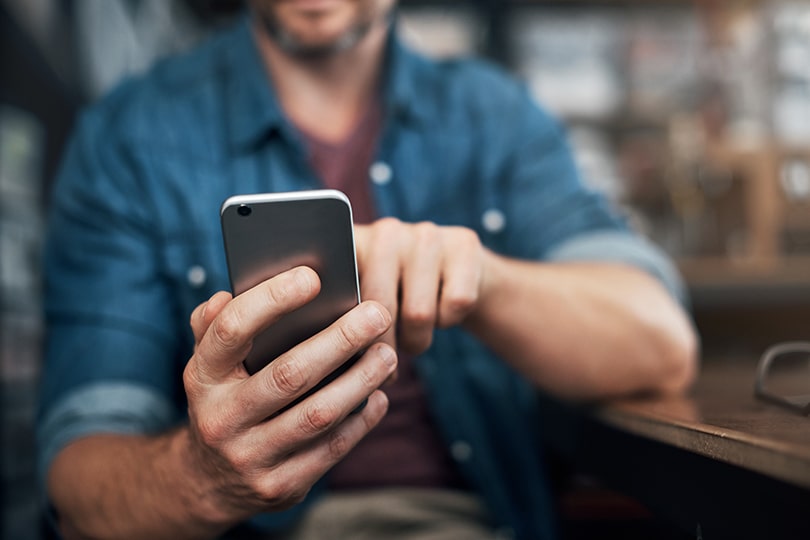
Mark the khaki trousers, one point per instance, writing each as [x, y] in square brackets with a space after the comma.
[395, 514]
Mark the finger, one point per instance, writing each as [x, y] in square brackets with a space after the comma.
[288, 483]
[300, 369]
[203, 314]
[322, 411]
[379, 265]
[230, 335]
[421, 272]
[461, 276]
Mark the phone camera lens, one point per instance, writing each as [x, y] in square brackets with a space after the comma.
[244, 210]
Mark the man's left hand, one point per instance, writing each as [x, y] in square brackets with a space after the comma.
[427, 275]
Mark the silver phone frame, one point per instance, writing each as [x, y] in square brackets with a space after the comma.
[294, 196]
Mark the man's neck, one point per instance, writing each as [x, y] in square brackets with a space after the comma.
[326, 96]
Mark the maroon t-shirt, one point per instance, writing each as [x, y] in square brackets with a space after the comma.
[405, 449]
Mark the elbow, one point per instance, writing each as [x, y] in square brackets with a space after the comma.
[681, 353]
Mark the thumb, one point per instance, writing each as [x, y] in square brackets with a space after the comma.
[205, 313]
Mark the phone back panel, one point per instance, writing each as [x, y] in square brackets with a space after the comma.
[280, 232]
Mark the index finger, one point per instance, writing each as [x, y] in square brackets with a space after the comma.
[378, 262]
[230, 335]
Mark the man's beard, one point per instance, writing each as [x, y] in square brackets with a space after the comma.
[291, 45]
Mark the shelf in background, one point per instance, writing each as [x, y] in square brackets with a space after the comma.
[745, 306]
[718, 282]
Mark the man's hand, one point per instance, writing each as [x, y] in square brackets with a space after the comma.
[426, 275]
[239, 454]
[533, 314]
[258, 458]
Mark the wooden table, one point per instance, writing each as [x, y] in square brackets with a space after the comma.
[717, 462]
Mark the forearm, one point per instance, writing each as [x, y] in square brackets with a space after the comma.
[122, 486]
[585, 330]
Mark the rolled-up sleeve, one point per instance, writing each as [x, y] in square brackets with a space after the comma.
[111, 407]
[554, 216]
[111, 355]
[623, 247]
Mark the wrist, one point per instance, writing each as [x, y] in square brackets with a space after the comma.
[202, 490]
[490, 285]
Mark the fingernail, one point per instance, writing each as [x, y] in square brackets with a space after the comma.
[303, 279]
[377, 317]
[388, 356]
[205, 306]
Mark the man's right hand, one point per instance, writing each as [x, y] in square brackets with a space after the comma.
[252, 459]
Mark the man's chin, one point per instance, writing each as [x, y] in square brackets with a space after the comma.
[323, 45]
[316, 7]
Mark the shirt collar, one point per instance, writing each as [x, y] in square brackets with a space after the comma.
[253, 110]
[401, 80]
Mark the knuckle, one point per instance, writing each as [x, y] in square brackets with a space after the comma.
[461, 302]
[193, 386]
[338, 445]
[210, 430]
[388, 225]
[239, 459]
[418, 316]
[457, 306]
[370, 377]
[348, 338]
[282, 493]
[280, 291]
[228, 329]
[318, 417]
[388, 221]
[426, 230]
[295, 495]
[286, 377]
[190, 382]
[465, 235]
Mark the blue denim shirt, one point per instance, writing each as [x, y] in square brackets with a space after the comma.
[134, 242]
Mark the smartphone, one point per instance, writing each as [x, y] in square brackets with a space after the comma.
[268, 233]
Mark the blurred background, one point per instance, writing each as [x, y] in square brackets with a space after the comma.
[693, 116]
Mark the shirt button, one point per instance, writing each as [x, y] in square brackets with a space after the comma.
[196, 276]
[493, 220]
[461, 451]
[380, 173]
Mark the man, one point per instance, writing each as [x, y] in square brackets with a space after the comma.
[483, 262]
